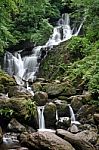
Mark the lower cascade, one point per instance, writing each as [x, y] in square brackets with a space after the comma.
[73, 119]
[41, 117]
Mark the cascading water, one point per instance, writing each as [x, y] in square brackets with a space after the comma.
[41, 117]
[72, 114]
[73, 119]
[25, 69]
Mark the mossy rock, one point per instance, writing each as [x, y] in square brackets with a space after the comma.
[20, 108]
[6, 81]
[37, 86]
[41, 98]
[54, 89]
[50, 115]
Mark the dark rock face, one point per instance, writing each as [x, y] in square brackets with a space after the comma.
[44, 141]
[25, 46]
[77, 142]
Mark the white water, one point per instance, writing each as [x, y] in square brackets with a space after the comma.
[72, 114]
[73, 119]
[25, 69]
[40, 110]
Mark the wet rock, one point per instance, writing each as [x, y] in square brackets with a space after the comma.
[41, 98]
[50, 115]
[15, 126]
[77, 142]
[44, 140]
[1, 135]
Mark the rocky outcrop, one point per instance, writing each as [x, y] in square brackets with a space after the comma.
[77, 142]
[41, 98]
[44, 141]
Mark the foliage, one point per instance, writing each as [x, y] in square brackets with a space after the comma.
[78, 47]
[6, 112]
[27, 20]
[90, 10]
[87, 69]
[30, 108]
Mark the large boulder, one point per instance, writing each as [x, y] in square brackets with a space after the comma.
[41, 98]
[44, 141]
[50, 115]
[77, 142]
[20, 108]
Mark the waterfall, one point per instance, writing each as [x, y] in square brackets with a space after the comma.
[25, 69]
[40, 110]
[72, 114]
[73, 119]
[56, 115]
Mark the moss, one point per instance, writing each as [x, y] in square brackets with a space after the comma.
[6, 81]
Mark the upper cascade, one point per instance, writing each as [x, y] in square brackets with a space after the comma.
[25, 68]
